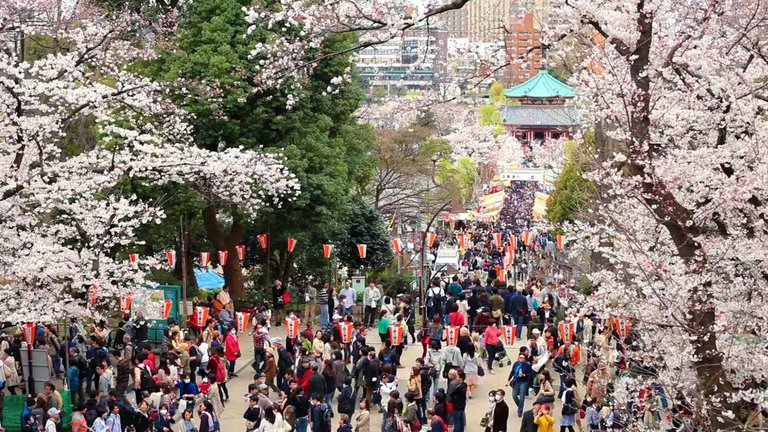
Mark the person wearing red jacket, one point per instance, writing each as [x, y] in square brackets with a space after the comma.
[216, 367]
[231, 351]
[303, 373]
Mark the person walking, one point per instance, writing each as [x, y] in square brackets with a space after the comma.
[458, 397]
[519, 378]
[500, 413]
[363, 418]
[350, 297]
[491, 341]
[570, 407]
[527, 424]
[471, 368]
[544, 421]
[278, 304]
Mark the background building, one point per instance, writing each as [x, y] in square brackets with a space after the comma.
[522, 45]
[413, 61]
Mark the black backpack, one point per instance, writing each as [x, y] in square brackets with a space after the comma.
[426, 379]
[147, 383]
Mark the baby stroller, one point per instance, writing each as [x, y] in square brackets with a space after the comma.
[502, 356]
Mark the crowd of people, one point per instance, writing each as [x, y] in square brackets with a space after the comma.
[338, 369]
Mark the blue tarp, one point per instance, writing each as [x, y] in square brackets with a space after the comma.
[209, 280]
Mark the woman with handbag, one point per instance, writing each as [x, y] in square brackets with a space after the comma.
[570, 406]
[414, 388]
[546, 394]
[471, 367]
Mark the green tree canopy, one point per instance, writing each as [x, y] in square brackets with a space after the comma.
[572, 191]
[364, 225]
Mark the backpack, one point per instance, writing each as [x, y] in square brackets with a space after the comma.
[387, 358]
[435, 300]
[426, 379]
[147, 382]
[325, 418]
[74, 377]
[445, 425]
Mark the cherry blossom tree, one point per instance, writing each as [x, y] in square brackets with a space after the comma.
[681, 87]
[66, 220]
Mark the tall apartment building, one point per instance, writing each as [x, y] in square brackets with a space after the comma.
[414, 61]
[486, 20]
[521, 44]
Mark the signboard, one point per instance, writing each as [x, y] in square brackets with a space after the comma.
[447, 255]
[149, 304]
[523, 174]
[40, 371]
[358, 283]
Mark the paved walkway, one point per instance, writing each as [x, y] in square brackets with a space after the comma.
[232, 419]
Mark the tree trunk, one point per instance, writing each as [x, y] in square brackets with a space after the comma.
[227, 241]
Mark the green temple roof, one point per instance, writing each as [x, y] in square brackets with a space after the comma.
[543, 85]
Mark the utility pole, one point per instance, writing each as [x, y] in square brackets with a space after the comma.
[183, 270]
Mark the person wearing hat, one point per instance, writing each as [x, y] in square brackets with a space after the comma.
[263, 394]
[53, 418]
[527, 424]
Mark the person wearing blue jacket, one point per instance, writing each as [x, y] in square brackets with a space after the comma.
[520, 378]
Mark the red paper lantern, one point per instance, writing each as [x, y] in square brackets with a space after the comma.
[133, 258]
[171, 256]
[560, 242]
[451, 335]
[223, 257]
[431, 236]
[242, 321]
[327, 248]
[346, 329]
[526, 238]
[565, 331]
[200, 316]
[262, 239]
[292, 326]
[509, 332]
[165, 308]
[125, 302]
[622, 327]
[291, 244]
[462, 241]
[240, 249]
[497, 239]
[397, 245]
[205, 259]
[362, 250]
[29, 330]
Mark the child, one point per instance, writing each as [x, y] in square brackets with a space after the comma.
[344, 424]
[544, 420]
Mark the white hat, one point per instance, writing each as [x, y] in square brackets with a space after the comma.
[52, 412]
[536, 331]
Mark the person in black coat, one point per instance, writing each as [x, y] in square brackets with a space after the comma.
[527, 424]
[316, 382]
[500, 413]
